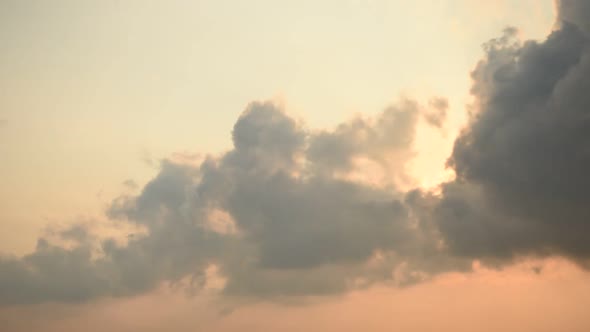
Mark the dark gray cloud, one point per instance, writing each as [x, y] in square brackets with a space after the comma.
[522, 163]
[575, 12]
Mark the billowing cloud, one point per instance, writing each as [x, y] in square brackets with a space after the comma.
[282, 213]
[522, 163]
[293, 211]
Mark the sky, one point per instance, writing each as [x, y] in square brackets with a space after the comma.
[279, 165]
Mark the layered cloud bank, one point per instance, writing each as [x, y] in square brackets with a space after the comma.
[292, 211]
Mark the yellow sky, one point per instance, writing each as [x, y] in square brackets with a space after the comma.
[91, 91]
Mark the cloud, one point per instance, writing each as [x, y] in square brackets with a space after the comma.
[290, 211]
[575, 12]
[522, 163]
[279, 214]
[438, 114]
[130, 184]
[389, 136]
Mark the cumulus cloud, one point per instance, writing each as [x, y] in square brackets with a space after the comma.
[293, 211]
[522, 163]
[279, 214]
